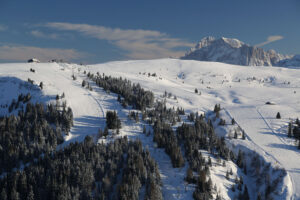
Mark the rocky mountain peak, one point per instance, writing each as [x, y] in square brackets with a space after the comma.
[233, 51]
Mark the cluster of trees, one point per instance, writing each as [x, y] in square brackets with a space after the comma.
[133, 94]
[30, 133]
[160, 111]
[165, 138]
[162, 118]
[167, 94]
[204, 187]
[197, 136]
[112, 120]
[294, 130]
[137, 97]
[201, 135]
[60, 116]
[141, 170]
[22, 99]
[267, 179]
[243, 194]
[86, 171]
[134, 116]
[149, 74]
[217, 110]
[86, 84]
[30, 81]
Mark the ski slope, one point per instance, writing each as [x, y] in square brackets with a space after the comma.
[89, 108]
[242, 91]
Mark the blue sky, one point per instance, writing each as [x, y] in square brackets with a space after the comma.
[94, 31]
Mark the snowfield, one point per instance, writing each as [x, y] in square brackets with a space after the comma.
[242, 92]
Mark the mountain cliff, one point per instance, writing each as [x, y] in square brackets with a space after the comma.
[233, 51]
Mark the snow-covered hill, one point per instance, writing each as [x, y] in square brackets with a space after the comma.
[233, 51]
[241, 91]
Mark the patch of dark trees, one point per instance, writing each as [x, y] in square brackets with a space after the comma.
[162, 119]
[86, 171]
[160, 116]
[165, 138]
[138, 98]
[22, 99]
[193, 137]
[133, 94]
[31, 133]
[201, 136]
[112, 120]
[294, 131]
[164, 114]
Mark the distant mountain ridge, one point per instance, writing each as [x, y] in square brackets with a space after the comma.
[233, 51]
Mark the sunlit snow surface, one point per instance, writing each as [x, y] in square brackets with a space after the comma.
[242, 92]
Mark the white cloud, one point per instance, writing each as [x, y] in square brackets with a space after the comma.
[144, 50]
[23, 53]
[3, 28]
[270, 39]
[138, 43]
[40, 34]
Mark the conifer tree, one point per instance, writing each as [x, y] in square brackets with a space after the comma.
[290, 129]
[41, 85]
[240, 159]
[235, 135]
[232, 121]
[246, 194]
[243, 135]
[227, 175]
[278, 116]
[83, 84]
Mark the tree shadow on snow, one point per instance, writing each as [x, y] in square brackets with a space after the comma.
[83, 126]
[286, 147]
[267, 131]
[294, 170]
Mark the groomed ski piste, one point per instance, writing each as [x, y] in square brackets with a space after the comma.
[242, 92]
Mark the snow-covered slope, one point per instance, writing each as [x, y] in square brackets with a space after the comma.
[241, 91]
[57, 80]
[233, 51]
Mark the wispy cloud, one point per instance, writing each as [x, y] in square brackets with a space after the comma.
[138, 43]
[3, 28]
[39, 34]
[270, 39]
[23, 53]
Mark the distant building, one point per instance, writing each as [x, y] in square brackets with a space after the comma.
[33, 60]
